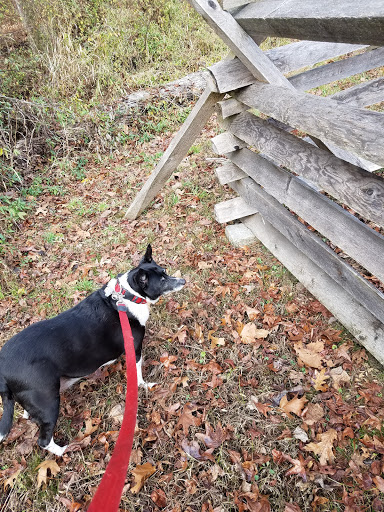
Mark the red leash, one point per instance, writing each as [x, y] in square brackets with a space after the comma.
[108, 494]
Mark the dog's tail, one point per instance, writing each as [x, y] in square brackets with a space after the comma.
[8, 409]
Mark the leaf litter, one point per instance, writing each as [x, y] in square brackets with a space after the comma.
[263, 402]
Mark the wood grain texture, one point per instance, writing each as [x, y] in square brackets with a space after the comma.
[362, 95]
[229, 172]
[338, 70]
[341, 21]
[365, 94]
[353, 129]
[229, 5]
[226, 142]
[239, 235]
[230, 107]
[351, 158]
[355, 238]
[239, 42]
[294, 56]
[233, 209]
[360, 323]
[311, 245]
[176, 151]
[361, 190]
[233, 74]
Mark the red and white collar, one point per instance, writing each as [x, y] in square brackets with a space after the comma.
[121, 294]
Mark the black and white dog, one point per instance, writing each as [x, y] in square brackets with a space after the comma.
[74, 344]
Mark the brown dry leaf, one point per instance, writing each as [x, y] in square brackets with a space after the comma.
[342, 351]
[91, 425]
[291, 307]
[198, 332]
[45, 468]
[264, 409]
[298, 464]
[256, 503]
[292, 507]
[379, 483]
[10, 482]
[192, 449]
[213, 367]
[167, 360]
[310, 354]
[216, 471]
[313, 414]
[269, 315]
[26, 446]
[217, 341]
[213, 438]
[72, 506]
[187, 419]
[318, 501]
[141, 474]
[252, 313]
[339, 377]
[319, 381]
[191, 486]
[158, 497]
[324, 447]
[296, 405]
[250, 333]
[204, 265]
[136, 456]
[117, 413]
[20, 427]
[298, 467]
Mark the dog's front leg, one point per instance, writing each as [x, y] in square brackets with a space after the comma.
[140, 380]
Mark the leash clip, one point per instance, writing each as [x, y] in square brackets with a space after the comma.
[117, 296]
[121, 306]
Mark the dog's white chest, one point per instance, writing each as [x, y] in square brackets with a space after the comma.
[139, 311]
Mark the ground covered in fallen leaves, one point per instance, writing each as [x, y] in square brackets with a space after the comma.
[263, 403]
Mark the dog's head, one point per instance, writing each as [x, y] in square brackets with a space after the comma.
[150, 280]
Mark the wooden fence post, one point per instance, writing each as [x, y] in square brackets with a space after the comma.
[176, 151]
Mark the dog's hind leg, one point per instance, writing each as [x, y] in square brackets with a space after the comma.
[7, 417]
[42, 402]
[46, 419]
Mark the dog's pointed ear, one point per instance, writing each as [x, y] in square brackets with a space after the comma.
[147, 258]
[142, 279]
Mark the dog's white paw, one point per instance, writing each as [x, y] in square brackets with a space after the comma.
[148, 385]
[54, 448]
[26, 415]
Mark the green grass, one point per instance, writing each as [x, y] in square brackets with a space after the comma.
[90, 50]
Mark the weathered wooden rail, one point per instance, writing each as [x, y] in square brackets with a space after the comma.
[305, 168]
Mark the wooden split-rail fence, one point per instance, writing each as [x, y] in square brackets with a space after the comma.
[308, 170]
